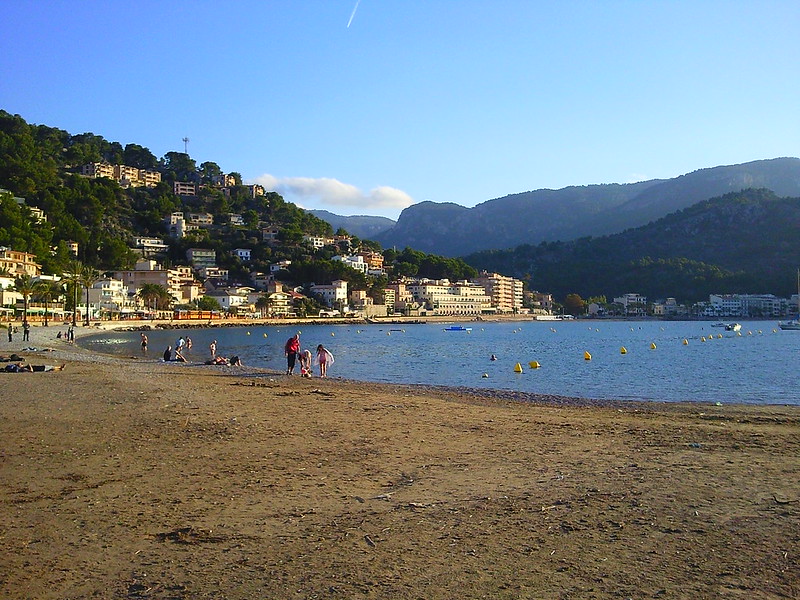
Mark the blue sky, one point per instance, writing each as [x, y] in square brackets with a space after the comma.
[444, 100]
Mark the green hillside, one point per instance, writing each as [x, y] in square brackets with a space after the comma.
[745, 242]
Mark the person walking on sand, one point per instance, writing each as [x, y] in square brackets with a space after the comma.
[291, 350]
[144, 342]
[324, 359]
[26, 331]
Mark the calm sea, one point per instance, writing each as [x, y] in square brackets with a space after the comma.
[760, 366]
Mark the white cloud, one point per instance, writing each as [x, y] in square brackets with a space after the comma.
[324, 192]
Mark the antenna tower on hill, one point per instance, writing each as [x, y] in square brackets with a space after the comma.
[186, 145]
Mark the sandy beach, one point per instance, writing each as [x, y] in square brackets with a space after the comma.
[136, 479]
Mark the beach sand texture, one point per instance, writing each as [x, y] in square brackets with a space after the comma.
[126, 479]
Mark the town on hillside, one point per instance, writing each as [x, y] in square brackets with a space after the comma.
[166, 239]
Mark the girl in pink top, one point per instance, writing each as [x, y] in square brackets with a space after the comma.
[323, 359]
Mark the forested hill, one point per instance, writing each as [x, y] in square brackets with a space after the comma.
[577, 211]
[40, 164]
[745, 242]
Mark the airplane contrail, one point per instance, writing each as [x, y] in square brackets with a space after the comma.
[353, 14]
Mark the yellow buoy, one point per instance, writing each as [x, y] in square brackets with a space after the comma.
[332, 333]
[485, 375]
[719, 336]
[587, 356]
[652, 345]
[534, 364]
[703, 339]
[623, 350]
[517, 368]
[265, 335]
[248, 333]
[685, 342]
[739, 333]
[749, 333]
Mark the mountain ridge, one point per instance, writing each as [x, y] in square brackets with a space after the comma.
[577, 211]
[736, 243]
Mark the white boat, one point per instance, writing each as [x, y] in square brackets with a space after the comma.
[732, 327]
[794, 324]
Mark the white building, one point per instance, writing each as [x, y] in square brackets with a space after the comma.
[354, 261]
[242, 254]
[333, 294]
[447, 298]
[634, 304]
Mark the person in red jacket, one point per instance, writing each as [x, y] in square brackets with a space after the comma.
[292, 349]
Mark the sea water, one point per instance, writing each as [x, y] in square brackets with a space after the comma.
[759, 365]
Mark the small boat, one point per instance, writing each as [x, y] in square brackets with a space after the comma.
[732, 327]
[793, 324]
[457, 328]
[719, 325]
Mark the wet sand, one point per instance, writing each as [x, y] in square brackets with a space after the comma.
[137, 479]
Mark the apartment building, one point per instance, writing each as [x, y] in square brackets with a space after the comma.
[223, 180]
[184, 188]
[150, 246]
[179, 281]
[202, 257]
[505, 292]
[333, 294]
[447, 298]
[201, 219]
[256, 190]
[125, 175]
[270, 234]
[18, 263]
[634, 304]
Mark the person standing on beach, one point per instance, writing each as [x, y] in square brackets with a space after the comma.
[324, 359]
[291, 350]
[26, 331]
[144, 342]
[10, 333]
[213, 347]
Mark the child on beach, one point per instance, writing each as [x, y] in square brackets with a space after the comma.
[324, 358]
[305, 363]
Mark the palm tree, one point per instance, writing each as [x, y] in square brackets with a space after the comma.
[154, 295]
[73, 281]
[263, 304]
[25, 285]
[89, 276]
[45, 290]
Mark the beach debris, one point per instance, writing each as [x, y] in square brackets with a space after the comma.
[386, 497]
[369, 541]
[783, 499]
[359, 499]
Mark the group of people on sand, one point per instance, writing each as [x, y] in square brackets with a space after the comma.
[294, 354]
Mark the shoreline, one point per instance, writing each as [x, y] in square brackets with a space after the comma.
[130, 479]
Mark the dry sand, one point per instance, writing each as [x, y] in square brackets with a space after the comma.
[132, 479]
